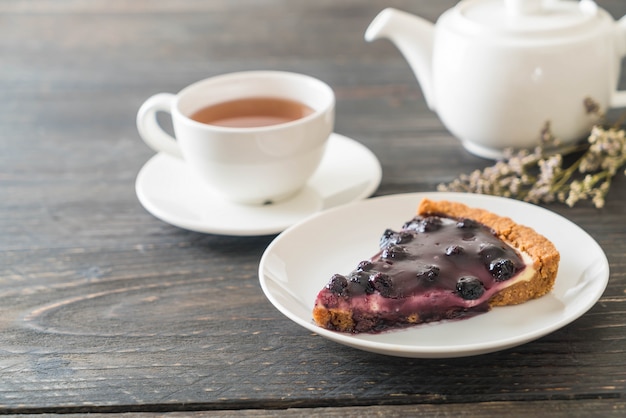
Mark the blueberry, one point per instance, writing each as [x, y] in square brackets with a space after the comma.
[358, 276]
[394, 252]
[412, 224]
[391, 237]
[467, 224]
[502, 269]
[403, 237]
[429, 274]
[386, 238]
[428, 224]
[365, 265]
[338, 284]
[469, 288]
[382, 283]
[454, 250]
[490, 253]
[361, 279]
[468, 236]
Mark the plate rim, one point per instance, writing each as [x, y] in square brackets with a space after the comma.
[442, 351]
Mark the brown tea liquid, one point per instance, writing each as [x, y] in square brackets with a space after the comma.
[252, 112]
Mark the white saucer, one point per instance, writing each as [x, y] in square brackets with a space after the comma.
[348, 172]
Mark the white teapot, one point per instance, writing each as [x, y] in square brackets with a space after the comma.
[496, 71]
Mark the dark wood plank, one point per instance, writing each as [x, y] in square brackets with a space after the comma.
[105, 308]
[589, 408]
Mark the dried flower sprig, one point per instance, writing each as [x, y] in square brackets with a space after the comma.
[540, 176]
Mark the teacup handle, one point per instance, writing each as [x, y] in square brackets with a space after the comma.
[149, 129]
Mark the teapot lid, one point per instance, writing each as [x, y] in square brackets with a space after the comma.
[530, 16]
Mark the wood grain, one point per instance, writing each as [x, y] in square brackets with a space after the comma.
[104, 308]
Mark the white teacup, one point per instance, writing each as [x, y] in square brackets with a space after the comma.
[245, 164]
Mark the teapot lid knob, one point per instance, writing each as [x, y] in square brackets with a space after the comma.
[523, 7]
[588, 7]
[529, 17]
[532, 7]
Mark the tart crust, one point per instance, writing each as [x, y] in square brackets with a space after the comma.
[544, 255]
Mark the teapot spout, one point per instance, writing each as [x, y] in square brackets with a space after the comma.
[413, 36]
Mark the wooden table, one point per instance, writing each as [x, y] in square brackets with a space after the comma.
[104, 308]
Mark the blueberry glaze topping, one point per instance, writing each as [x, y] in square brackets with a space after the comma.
[431, 255]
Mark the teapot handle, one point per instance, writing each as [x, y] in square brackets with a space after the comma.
[618, 99]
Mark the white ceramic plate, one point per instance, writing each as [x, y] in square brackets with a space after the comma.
[349, 171]
[301, 260]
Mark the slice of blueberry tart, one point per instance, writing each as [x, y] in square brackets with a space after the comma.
[449, 262]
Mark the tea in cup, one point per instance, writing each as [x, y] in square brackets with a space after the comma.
[253, 137]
